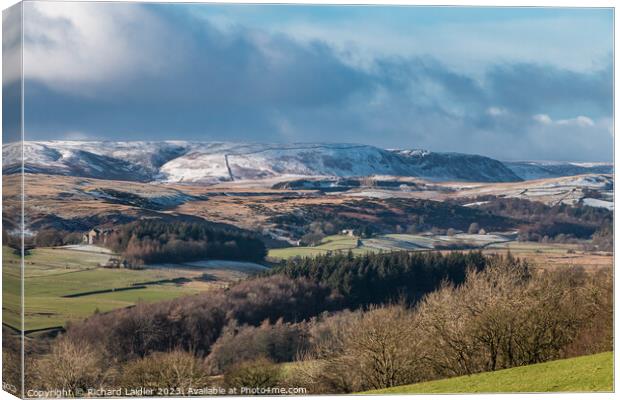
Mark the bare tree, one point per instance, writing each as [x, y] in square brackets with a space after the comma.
[474, 228]
[377, 349]
[500, 318]
[72, 366]
[259, 373]
[176, 369]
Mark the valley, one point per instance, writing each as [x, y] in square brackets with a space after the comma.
[293, 218]
[141, 248]
[73, 203]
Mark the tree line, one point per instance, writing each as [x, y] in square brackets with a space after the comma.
[369, 216]
[156, 241]
[539, 221]
[501, 317]
[376, 278]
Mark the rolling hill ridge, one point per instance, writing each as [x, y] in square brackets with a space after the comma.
[213, 162]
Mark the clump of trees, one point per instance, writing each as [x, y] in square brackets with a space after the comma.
[11, 360]
[603, 238]
[259, 373]
[474, 228]
[279, 342]
[316, 231]
[174, 371]
[195, 323]
[368, 216]
[72, 365]
[154, 240]
[52, 237]
[378, 348]
[384, 277]
[500, 317]
[539, 221]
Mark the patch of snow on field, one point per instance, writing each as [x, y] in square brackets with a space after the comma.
[476, 239]
[477, 203]
[88, 248]
[375, 194]
[599, 203]
[589, 181]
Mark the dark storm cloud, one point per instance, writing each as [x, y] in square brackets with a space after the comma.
[213, 85]
[11, 67]
[539, 88]
[206, 83]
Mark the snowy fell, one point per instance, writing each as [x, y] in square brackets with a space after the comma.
[212, 162]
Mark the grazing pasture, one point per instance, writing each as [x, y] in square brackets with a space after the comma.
[555, 255]
[52, 274]
[332, 243]
[541, 255]
[592, 373]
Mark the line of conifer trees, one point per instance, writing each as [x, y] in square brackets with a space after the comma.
[383, 277]
[158, 241]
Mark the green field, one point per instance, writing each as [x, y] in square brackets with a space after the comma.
[421, 242]
[335, 243]
[593, 373]
[51, 273]
[329, 243]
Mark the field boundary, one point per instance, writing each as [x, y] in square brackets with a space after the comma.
[123, 289]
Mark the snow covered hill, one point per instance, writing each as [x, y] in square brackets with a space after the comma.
[555, 169]
[131, 161]
[458, 166]
[212, 162]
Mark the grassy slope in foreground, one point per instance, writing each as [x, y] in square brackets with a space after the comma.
[580, 374]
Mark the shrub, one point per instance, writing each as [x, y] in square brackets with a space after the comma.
[278, 297]
[596, 334]
[11, 361]
[260, 373]
[174, 370]
[501, 318]
[473, 228]
[74, 366]
[194, 323]
[279, 342]
[49, 238]
[374, 349]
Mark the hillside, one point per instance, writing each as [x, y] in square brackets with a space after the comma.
[212, 162]
[555, 169]
[581, 374]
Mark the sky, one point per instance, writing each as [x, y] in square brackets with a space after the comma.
[510, 83]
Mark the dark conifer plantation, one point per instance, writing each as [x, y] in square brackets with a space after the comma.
[384, 277]
[153, 241]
